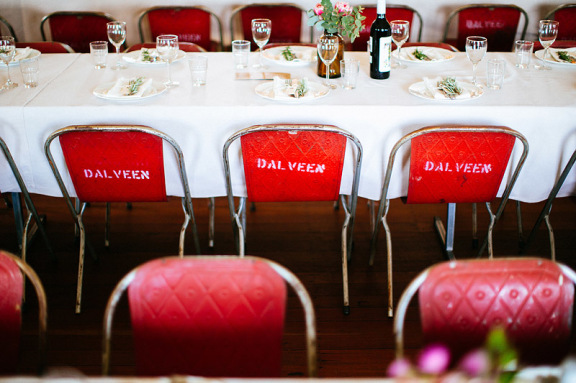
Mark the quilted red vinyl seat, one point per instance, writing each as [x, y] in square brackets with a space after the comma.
[209, 316]
[460, 301]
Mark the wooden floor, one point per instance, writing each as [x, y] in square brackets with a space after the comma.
[303, 237]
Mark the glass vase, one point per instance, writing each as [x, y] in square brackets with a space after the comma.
[335, 65]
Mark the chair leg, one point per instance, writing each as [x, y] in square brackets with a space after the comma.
[80, 266]
[474, 226]
[520, 226]
[447, 234]
[211, 218]
[107, 226]
[389, 266]
[346, 307]
[551, 236]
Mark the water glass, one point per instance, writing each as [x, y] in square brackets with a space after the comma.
[198, 69]
[99, 53]
[240, 51]
[349, 69]
[523, 49]
[495, 73]
[30, 69]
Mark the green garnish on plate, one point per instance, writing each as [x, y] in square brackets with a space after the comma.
[565, 56]
[288, 54]
[134, 85]
[449, 87]
[146, 56]
[301, 89]
[419, 55]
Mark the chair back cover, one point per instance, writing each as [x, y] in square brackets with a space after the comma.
[11, 286]
[189, 24]
[530, 298]
[308, 165]
[566, 15]
[455, 167]
[78, 29]
[115, 166]
[392, 13]
[208, 318]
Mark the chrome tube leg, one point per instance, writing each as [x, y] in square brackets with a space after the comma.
[520, 226]
[389, 266]
[490, 228]
[474, 226]
[211, 219]
[107, 226]
[183, 235]
[80, 267]
[551, 235]
[346, 307]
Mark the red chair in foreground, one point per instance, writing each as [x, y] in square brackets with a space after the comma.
[209, 316]
[116, 164]
[12, 272]
[295, 163]
[47, 46]
[566, 15]
[452, 164]
[461, 301]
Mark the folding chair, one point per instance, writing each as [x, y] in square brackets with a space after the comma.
[295, 163]
[47, 46]
[393, 12]
[116, 164]
[12, 272]
[286, 17]
[452, 164]
[499, 23]
[183, 46]
[5, 24]
[566, 15]
[190, 23]
[209, 316]
[460, 301]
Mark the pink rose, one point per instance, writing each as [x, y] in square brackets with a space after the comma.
[318, 9]
[399, 368]
[343, 7]
[434, 359]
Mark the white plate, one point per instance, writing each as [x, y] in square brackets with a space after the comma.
[472, 91]
[437, 55]
[16, 60]
[550, 59]
[155, 89]
[305, 55]
[315, 89]
[134, 58]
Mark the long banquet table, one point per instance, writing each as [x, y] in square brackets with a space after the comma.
[539, 104]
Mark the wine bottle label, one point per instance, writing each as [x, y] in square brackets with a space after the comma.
[385, 54]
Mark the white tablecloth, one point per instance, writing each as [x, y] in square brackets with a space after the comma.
[539, 104]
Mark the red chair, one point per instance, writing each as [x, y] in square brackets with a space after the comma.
[499, 23]
[12, 272]
[4, 23]
[452, 164]
[47, 46]
[183, 46]
[190, 24]
[566, 15]
[209, 316]
[558, 44]
[393, 12]
[116, 164]
[295, 163]
[286, 22]
[77, 29]
[461, 301]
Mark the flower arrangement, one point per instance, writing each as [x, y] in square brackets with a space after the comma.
[338, 18]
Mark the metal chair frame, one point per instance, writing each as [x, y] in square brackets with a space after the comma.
[214, 17]
[78, 213]
[238, 216]
[290, 279]
[9, 27]
[446, 234]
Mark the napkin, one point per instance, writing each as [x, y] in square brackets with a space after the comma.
[145, 55]
[570, 51]
[435, 93]
[21, 54]
[433, 54]
[122, 87]
[303, 54]
[286, 89]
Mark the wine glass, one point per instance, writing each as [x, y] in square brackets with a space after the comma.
[7, 52]
[167, 47]
[327, 51]
[117, 35]
[476, 47]
[400, 33]
[547, 33]
[261, 29]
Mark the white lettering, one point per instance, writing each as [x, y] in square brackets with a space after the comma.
[261, 163]
[88, 173]
[320, 168]
[117, 173]
[301, 167]
[429, 165]
[460, 168]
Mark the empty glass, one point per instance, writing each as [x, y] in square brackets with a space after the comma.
[198, 65]
[523, 49]
[400, 33]
[167, 47]
[476, 47]
[99, 53]
[7, 52]
[261, 30]
[327, 51]
[240, 51]
[495, 70]
[547, 33]
[117, 35]
[30, 69]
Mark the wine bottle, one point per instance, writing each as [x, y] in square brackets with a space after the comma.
[380, 44]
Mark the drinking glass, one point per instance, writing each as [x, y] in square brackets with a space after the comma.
[7, 52]
[547, 33]
[327, 51]
[167, 47]
[117, 35]
[261, 29]
[400, 33]
[476, 47]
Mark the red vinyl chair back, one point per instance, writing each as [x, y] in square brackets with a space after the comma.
[129, 170]
[308, 165]
[498, 23]
[459, 166]
[77, 29]
[532, 299]
[11, 285]
[566, 15]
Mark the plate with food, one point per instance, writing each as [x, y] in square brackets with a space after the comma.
[292, 90]
[424, 55]
[445, 89]
[291, 55]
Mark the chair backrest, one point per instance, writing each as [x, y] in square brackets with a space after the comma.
[461, 301]
[286, 22]
[393, 12]
[190, 24]
[12, 271]
[499, 23]
[5, 24]
[77, 29]
[47, 46]
[566, 15]
[183, 46]
[209, 316]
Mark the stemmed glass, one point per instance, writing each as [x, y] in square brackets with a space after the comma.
[167, 47]
[261, 29]
[547, 33]
[327, 51]
[476, 47]
[7, 52]
[117, 35]
[400, 33]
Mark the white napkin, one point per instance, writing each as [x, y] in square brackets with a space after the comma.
[133, 58]
[121, 88]
[284, 89]
[21, 54]
[302, 54]
[434, 54]
[554, 53]
[437, 94]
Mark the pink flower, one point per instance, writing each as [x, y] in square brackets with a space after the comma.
[434, 359]
[399, 368]
[343, 7]
[318, 9]
[475, 363]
